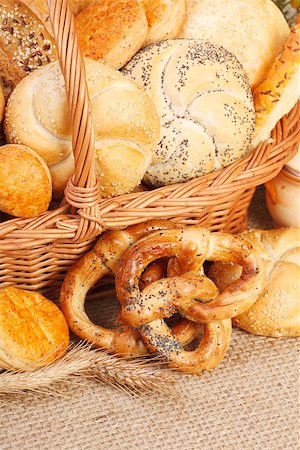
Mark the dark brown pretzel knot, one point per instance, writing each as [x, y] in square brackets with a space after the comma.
[93, 266]
[194, 296]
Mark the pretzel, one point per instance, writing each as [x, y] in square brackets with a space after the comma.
[189, 248]
[193, 296]
[93, 266]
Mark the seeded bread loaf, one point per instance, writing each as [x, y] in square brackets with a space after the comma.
[204, 101]
[25, 44]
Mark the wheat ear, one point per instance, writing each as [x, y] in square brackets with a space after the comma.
[82, 363]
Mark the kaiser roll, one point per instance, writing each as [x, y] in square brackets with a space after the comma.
[277, 311]
[125, 123]
[253, 30]
[205, 106]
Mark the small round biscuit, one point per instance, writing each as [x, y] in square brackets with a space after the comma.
[112, 31]
[33, 331]
[25, 182]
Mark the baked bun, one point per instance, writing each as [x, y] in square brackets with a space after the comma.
[254, 31]
[33, 331]
[205, 105]
[25, 44]
[25, 182]
[125, 123]
[2, 103]
[112, 31]
[277, 311]
[279, 92]
[165, 19]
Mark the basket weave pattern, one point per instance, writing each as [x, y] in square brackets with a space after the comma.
[35, 253]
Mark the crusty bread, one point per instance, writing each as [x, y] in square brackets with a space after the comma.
[205, 105]
[33, 331]
[25, 182]
[25, 44]
[2, 103]
[125, 123]
[254, 31]
[112, 31]
[279, 92]
[277, 311]
[165, 19]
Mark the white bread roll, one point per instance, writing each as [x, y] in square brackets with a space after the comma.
[125, 123]
[205, 106]
[277, 311]
[253, 30]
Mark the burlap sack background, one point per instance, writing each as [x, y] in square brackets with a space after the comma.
[251, 401]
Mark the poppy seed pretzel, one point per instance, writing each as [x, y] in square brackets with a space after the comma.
[194, 296]
[89, 269]
[188, 249]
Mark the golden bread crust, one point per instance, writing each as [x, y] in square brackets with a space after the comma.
[25, 182]
[33, 331]
[277, 311]
[165, 19]
[279, 92]
[112, 31]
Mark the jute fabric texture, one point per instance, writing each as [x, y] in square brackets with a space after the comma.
[251, 401]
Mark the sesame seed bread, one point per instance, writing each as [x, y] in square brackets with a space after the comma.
[25, 44]
[253, 30]
[125, 122]
[33, 331]
[277, 311]
[112, 31]
[165, 19]
[205, 106]
[279, 92]
[25, 182]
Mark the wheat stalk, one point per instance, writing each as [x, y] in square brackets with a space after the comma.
[79, 365]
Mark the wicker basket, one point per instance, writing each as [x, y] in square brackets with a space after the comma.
[35, 253]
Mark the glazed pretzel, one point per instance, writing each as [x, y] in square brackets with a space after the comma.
[188, 249]
[194, 296]
[92, 267]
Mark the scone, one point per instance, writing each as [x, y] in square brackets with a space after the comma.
[33, 331]
[25, 182]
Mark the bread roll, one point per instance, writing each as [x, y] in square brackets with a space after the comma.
[277, 311]
[25, 44]
[253, 30]
[125, 123]
[112, 31]
[25, 182]
[2, 103]
[279, 92]
[165, 19]
[33, 331]
[205, 105]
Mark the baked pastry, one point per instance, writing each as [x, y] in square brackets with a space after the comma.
[165, 19]
[2, 103]
[205, 106]
[112, 31]
[277, 311]
[25, 182]
[25, 44]
[33, 331]
[126, 125]
[279, 92]
[254, 31]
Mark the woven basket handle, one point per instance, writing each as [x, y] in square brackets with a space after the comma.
[82, 191]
